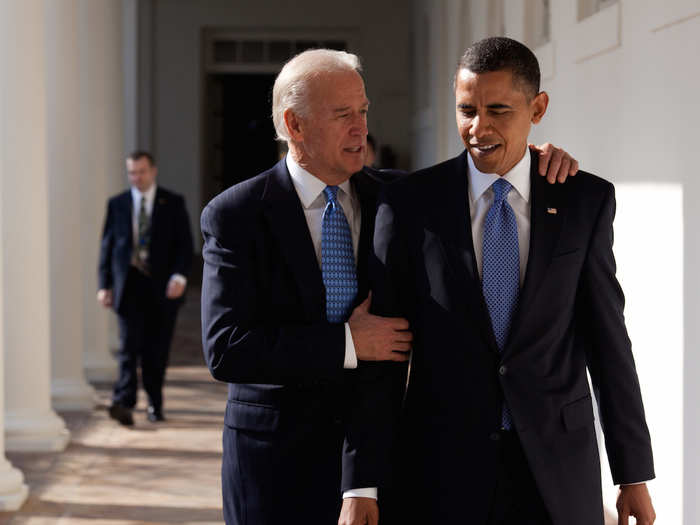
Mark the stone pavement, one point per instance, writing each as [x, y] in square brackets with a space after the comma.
[149, 474]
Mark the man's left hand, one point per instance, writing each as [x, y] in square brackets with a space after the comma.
[175, 289]
[634, 500]
[359, 511]
[555, 163]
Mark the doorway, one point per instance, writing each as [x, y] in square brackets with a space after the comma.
[239, 134]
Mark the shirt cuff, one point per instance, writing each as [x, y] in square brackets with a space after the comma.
[350, 355]
[178, 277]
[635, 483]
[369, 492]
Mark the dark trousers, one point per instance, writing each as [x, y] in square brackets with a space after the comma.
[146, 323]
[517, 499]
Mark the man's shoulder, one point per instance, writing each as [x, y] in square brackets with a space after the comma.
[123, 197]
[240, 200]
[587, 185]
[426, 182]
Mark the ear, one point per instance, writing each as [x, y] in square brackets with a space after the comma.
[294, 125]
[538, 106]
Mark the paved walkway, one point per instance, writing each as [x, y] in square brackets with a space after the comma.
[148, 474]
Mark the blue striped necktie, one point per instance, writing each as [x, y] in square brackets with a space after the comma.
[501, 270]
[337, 260]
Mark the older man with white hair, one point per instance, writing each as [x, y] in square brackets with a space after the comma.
[285, 318]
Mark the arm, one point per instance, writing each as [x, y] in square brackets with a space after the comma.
[183, 250]
[104, 267]
[600, 312]
[241, 343]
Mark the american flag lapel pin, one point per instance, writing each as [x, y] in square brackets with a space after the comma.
[552, 211]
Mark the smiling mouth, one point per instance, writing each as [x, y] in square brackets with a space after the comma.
[485, 149]
[357, 149]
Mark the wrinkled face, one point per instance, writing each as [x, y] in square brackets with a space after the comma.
[141, 173]
[333, 137]
[494, 117]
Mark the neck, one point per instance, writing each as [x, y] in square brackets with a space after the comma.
[304, 160]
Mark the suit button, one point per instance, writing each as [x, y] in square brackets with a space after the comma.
[502, 370]
[495, 436]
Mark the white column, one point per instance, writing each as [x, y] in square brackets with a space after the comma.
[101, 161]
[13, 491]
[30, 423]
[69, 389]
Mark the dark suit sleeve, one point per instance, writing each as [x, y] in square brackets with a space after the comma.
[104, 268]
[601, 323]
[183, 250]
[378, 387]
[242, 343]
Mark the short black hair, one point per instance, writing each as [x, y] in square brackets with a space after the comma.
[503, 54]
[142, 154]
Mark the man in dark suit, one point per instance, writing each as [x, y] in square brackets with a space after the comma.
[145, 257]
[509, 287]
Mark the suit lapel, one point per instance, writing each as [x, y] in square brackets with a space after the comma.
[127, 204]
[454, 220]
[547, 212]
[288, 225]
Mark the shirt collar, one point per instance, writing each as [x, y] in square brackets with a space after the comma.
[308, 186]
[518, 176]
[149, 194]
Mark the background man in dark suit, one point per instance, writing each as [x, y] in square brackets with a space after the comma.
[145, 257]
[509, 286]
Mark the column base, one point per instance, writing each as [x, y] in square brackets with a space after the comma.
[72, 394]
[13, 491]
[36, 431]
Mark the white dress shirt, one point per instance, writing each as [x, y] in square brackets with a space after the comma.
[481, 198]
[149, 195]
[313, 201]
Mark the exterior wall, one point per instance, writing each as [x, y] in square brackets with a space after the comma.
[382, 32]
[622, 86]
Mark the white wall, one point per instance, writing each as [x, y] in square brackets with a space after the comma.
[383, 41]
[623, 88]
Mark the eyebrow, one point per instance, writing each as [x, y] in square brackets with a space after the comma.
[497, 105]
[348, 108]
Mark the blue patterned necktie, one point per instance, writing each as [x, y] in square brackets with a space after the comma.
[337, 260]
[501, 269]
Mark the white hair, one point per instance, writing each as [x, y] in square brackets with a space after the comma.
[292, 85]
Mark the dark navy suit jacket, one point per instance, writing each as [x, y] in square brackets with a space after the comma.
[298, 426]
[171, 242]
[570, 319]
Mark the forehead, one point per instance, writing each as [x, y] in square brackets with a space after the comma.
[138, 164]
[338, 89]
[488, 85]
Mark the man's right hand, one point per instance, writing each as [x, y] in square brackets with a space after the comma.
[379, 338]
[104, 297]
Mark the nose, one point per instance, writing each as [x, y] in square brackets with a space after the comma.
[359, 125]
[479, 127]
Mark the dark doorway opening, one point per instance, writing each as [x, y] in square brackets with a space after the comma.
[239, 138]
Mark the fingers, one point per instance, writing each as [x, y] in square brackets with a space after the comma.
[574, 168]
[623, 517]
[555, 165]
[399, 357]
[545, 153]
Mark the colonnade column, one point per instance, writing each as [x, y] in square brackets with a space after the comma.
[70, 390]
[13, 491]
[30, 423]
[101, 161]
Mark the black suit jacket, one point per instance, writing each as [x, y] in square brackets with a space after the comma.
[264, 331]
[570, 318]
[171, 242]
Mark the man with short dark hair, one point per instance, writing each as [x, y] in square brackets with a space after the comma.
[509, 286]
[145, 257]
